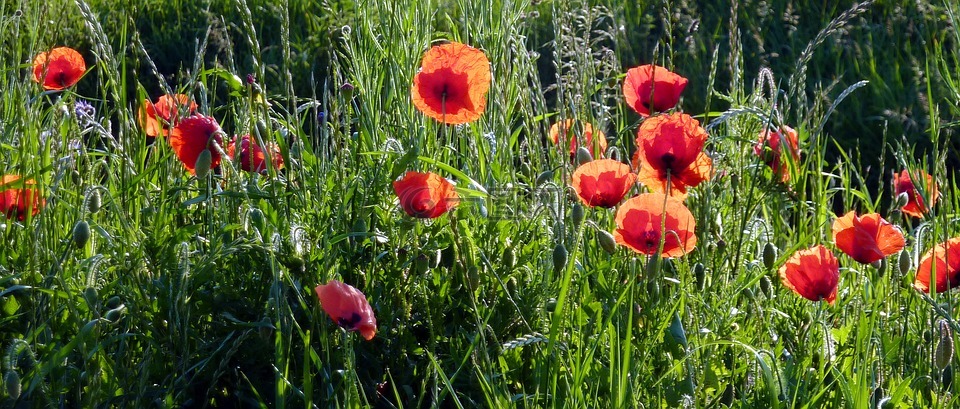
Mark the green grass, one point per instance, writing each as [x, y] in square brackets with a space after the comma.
[199, 292]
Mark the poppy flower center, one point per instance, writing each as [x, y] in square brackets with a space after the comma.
[650, 239]
[350, 322]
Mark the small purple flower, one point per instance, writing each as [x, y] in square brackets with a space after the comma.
[84, 109]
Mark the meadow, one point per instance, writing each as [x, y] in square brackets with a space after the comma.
[456, 203]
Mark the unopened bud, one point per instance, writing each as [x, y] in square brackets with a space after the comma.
[91, 296]
[877, 264]
[508, 259]
[11, 381]
[769, 255]
[544, 177]
[700, 275]
[766, 287]
[577, 214]
[347, 90]
[944, 352]
[902, 200]
[904, 263]
[114, 314]
[559, 257]
[583, 156]
[93, 201]
[607, 242]
[113, 302]
[202, 166]
[81, 233]
[421, 264]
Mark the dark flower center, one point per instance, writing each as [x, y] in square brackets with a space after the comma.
[350, 322]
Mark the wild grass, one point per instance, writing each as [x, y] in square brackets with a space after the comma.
[198, 292]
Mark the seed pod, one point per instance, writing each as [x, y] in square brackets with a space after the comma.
[769, 255]
[544, 177]
[944, 352]
[508, 259]
[607, 242]
[81, 233]
[766, 286]
[93, 200]
[11, 381]
[700, 275]
[203, 163]
[904, 263]
[559, 258]
[577, 214]
[583, 156]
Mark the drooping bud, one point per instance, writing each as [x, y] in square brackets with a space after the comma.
[508, 259]
[93, 200]
[559, 258]
[607, 242]
[583, 156]
[11, 381]
[202, 165]
[700, 275]
[902, 200]
[769, 255]
[81, 233]
[904, 263]
[766, 287]
[944, 352]
[577, 214]
[544, 177]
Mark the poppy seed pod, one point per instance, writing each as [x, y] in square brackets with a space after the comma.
[607, 242]
[559, 258]
[81, 233]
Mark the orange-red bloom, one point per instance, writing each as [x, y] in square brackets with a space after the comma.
[348, 307]
[58, 68]
[671, 144]
[452, 84]
[945, 258]
[768, 148]
[651, 87]
[252, 157]
[915, 206]
[17, 202]
[812, 273]
[639, 225]
[157, 118]
[425, 195]
[191, 136]
[567, 130]
[603, 182]
[866, 238]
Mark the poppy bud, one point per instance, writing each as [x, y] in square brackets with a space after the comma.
[676, 338]
[473, 275]
[904, 263]
[559, 257]
[766, 287]
[653, 290]
[652, 269]
[262, 128]
[544, 177]
[81, 233]
[700, 275]
[944, 352]
[114, 314]
[420, 264]
[347, 90]
[734, 183]
[551, 305]
[607, 242]
[721, 245]
[91, 296]
[508, 258]
[93, 200]
[256, 217]
[583, 156]
[577, 214]
[902, 200]
[202, 165]
[113, 302]
[769, 255]
[11, 381]
[877, 264]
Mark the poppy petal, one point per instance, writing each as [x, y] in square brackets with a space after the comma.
[58, 68]
[348, 307]
[192, 136]
[639, 225]
[425, 195]
[452, 83]
[652, 88]
[812, 273]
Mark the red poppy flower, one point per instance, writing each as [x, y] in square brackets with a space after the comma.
[639, 225]
[945, 257]
[58, 68]
[812, 274]
[768, 149]
[915, 206]
[452, 84]
[866, 238]
[603, 182]
[252, 157]
[156, 118]
[671, 144]
[191, 136]
[567, 130]
[650, 88]
[425, 195]
[348, 307]
[17, 202]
